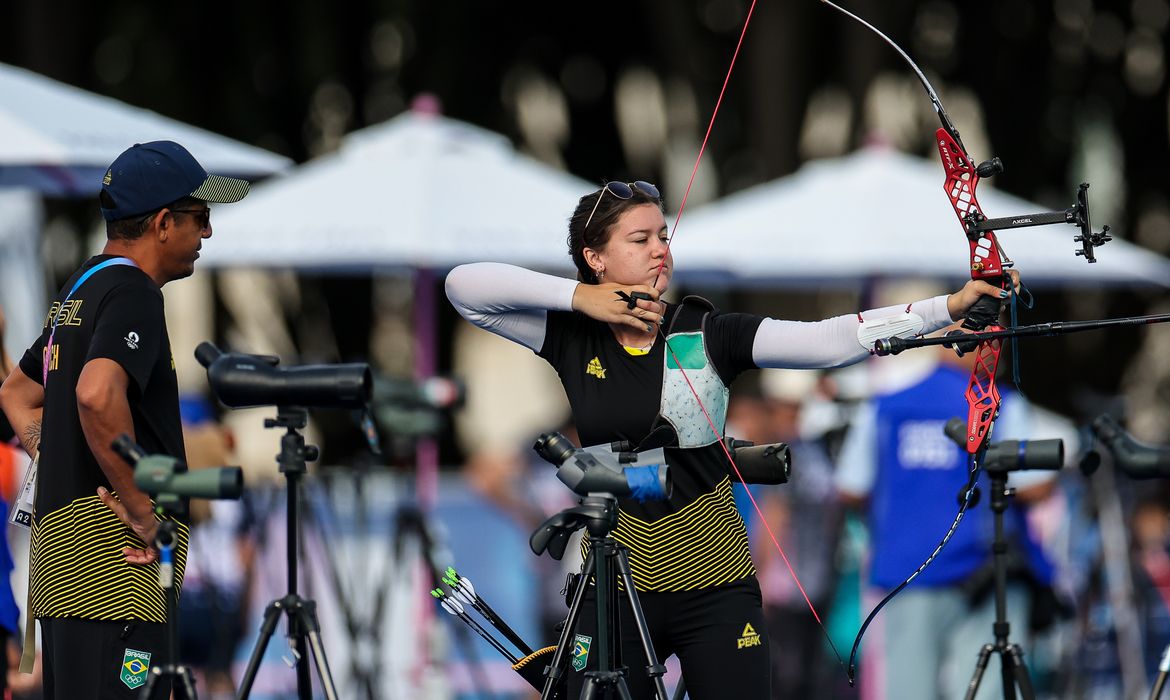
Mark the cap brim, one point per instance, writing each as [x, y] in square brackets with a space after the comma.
[221, 190]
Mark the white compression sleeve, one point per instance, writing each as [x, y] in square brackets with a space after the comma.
[509, 301]
[833, 342]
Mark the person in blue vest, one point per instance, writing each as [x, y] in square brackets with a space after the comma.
[897, 462]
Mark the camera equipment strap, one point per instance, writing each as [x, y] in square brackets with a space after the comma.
[22, 508]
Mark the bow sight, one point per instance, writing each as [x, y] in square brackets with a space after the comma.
[1077, 215]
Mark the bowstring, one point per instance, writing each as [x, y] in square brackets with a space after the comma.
[662, 333]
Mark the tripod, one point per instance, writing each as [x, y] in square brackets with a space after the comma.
[607, 560]
[1013, 671]
[172, 672]
[304, 633]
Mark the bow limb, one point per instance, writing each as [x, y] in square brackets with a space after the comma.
[987, 263]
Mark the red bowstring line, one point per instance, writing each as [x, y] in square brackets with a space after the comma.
[759, 512]
[661, 331]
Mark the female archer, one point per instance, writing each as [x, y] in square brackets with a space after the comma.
[632, 365]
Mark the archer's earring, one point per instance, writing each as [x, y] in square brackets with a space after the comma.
[600, 275]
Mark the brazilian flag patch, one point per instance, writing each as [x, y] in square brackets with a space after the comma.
[135, 666]
[581, 645]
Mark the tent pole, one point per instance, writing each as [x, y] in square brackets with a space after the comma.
[425, 352]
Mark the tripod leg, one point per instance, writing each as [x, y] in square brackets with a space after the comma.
[556, 667]
[147, 692]
[1163, 671]
[296, 642]
[271, 617]
[1007, 676]
[1013, 657]
[319, 516]
[184, 685]
[307, 612]
[654, 669]
[980, 667]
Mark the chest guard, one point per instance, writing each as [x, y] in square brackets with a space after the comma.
[686, 352]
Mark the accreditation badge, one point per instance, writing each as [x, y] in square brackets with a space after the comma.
[22, 509]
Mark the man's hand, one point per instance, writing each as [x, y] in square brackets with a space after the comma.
[144, 527]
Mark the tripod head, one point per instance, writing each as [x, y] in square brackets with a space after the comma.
[293, 450]
[596, 513]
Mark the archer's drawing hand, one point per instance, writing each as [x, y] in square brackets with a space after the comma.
[144, 527]
[608, 303]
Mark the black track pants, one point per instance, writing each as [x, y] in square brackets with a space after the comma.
[95, 659]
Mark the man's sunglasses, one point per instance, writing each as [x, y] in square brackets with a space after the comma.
[202, 216]
[622, 190]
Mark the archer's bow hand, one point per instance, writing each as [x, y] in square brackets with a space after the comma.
[959, 303]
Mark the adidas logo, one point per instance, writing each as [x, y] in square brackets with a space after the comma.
[595, 369]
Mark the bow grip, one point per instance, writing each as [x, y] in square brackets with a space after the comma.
[983, 313]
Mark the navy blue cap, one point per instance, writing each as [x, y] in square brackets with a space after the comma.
[149, 176]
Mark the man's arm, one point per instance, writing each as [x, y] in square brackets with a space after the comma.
[23, 401]
[104, 412]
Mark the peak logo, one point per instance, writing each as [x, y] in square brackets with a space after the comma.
[748, 638]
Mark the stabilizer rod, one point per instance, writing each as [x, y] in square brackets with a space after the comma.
[893, 346]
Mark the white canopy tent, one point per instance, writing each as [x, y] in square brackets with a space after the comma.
[880, 213]
[417, 191]
[57, 140]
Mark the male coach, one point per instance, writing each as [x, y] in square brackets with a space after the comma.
[102, 367]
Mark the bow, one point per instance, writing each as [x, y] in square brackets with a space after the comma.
[988, 260]
[988, 263]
